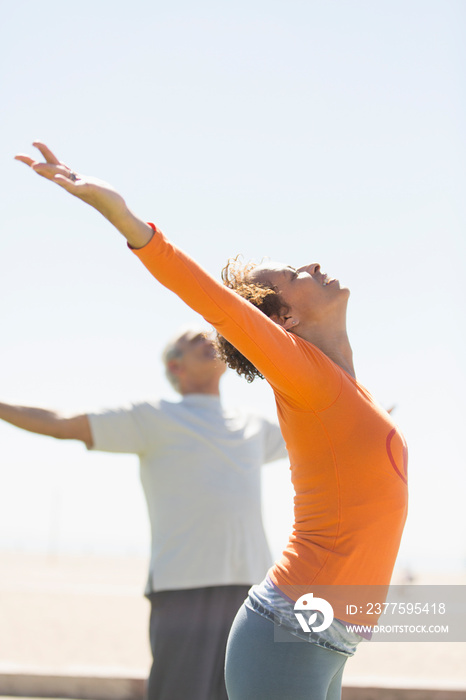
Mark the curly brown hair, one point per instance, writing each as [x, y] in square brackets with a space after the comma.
[264, 296]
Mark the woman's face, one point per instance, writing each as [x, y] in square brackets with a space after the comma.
[308, 292]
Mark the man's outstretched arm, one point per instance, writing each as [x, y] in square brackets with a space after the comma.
[44, 422]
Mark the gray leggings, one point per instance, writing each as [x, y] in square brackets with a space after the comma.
[259, 668]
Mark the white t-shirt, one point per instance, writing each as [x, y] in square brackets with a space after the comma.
[200, 470]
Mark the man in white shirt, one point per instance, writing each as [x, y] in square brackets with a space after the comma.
[200, 471]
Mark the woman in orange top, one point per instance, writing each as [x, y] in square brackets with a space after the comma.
[348, 459]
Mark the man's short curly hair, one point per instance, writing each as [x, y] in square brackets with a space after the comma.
[264, 296]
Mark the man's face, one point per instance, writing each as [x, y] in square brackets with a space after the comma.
[198, 362]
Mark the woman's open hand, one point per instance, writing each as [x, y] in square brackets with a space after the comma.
[96, 193]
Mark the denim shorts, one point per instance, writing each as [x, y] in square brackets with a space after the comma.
[267, 600]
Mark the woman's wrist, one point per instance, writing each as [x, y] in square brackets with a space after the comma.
[136, 231]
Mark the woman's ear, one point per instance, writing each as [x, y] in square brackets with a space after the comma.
[286, 322]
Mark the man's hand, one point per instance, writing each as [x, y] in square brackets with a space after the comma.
[96, 193]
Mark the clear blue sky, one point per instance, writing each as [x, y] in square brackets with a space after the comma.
[305, 131]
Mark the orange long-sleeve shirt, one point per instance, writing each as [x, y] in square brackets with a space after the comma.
[348, 458]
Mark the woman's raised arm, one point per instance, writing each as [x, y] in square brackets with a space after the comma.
[271, 349]
[96, 193]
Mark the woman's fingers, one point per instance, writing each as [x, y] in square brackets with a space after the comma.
[44, 169]
[51, 166]
[51, 169]
[46, 152]
[25, 159]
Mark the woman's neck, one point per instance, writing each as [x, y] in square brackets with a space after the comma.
[333, 342]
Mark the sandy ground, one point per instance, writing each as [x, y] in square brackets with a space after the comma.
[78, 614]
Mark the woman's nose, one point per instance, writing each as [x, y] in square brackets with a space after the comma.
[312, 268]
